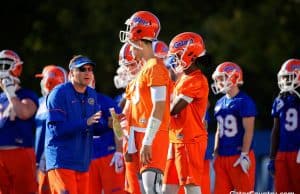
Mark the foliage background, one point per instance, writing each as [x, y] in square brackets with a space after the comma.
[259, 35]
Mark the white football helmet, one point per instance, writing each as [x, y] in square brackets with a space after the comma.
[121, 80]
[226, 75]
[289, 76]
[127, 59]
[10, 64]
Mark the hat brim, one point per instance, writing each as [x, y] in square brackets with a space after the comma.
[39, 75]
[82, 64]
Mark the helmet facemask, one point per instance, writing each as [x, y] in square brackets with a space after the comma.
[121, 79]
[177, 65]
[120, 82]
[5, 67]
[125, 36]
[186, 56]
[132, 69]
[223, 81]
[288, 81]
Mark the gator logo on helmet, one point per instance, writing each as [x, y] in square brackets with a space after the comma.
[295, 67]
[183, 43]
[229, 68]
[140, 20]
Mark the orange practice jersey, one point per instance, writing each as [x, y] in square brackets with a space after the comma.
[153, 73]
[188, 125]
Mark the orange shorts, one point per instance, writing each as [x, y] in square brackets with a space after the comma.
[181, 190]
[103, 176]
[18, 171]
[131, 170]
[43, 183]
[229, 178]
[159, 150]
[205, 185]
[287, 172]
[185, 164]
[68, 181]
[131, 175]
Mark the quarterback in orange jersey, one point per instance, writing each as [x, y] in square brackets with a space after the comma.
[149, 102]
[126, 58]
[187, 132]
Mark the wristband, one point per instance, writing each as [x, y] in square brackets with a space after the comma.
[152, 127]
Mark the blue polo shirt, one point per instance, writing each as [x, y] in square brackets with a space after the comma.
[16, 132]
[68, 140]
[40, 121]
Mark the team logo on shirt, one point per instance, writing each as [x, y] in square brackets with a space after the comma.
[279, 104]
[91, 101]
[217, 108]
[18, 140]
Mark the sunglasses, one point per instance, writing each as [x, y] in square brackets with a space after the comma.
[86, 69]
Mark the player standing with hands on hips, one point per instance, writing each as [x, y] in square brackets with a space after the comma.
[73, 118]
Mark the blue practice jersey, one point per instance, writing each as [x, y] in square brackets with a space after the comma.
[229, 113]
[68, 140]
[118, 98]
[104, 144]
[287, 109]
[209, 149]
[16, 132]
[40, 121]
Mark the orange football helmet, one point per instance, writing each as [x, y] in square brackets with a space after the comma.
[160, 49]
[184, 49]
[126, 55]
[289, 76]
[127, 59]
[52, 75]
[10, 64]
[141, 25]
[226, 75]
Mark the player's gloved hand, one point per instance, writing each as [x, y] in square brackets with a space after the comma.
[9, 87]
[243, 161]
[117, 160]
[271, 167]
[42, 163]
